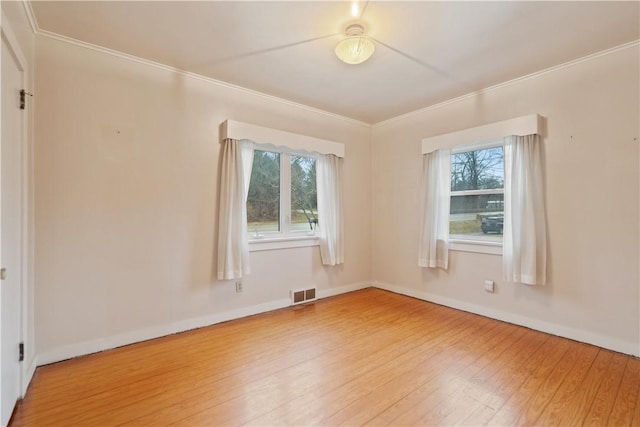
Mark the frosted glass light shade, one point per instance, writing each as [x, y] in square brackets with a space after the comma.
[355, 50]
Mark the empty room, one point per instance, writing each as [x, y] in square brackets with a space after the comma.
[320, 213]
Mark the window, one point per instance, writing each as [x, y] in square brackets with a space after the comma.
[282, 199]
[477, 193]
[283, 192]
[500, 184]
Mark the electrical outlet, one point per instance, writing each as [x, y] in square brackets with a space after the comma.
[238, 286]
[489, 286]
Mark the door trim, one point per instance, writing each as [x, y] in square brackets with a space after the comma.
[27, 367]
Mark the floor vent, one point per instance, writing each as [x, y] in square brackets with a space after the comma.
[300, 296]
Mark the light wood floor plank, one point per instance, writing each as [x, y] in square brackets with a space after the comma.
[576, 410]
[513, 402]
[539, 399]
[246, 364]
[337, 386]
[636, 411]
[338, 364]
[605, 396]
[625, 400]
[433, 392]
[409, 377]
[365, 358]
[484, 387]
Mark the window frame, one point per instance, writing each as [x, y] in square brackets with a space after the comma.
[285, 237]
[480, 244]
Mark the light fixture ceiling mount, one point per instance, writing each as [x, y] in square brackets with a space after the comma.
[356, 48]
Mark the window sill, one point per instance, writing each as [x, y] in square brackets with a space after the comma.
[477, 246]
[274, 243]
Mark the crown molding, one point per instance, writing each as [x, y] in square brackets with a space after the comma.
[632, 44]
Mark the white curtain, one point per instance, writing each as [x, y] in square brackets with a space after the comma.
[435, 190]
[330, 207]
[233, 238]
[525, 246]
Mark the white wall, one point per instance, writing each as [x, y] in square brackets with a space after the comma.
[591, 159]
[126, 189]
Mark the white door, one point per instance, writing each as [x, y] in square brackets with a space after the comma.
[11, 224]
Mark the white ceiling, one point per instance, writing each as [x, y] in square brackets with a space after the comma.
[426, 52]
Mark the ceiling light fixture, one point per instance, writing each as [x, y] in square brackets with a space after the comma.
[356, 48]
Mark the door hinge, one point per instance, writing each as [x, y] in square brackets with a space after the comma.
[20, 352]
[3, 273]
[23, 95]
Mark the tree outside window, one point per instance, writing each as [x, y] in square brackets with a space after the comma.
[263, 201]
[304, 197]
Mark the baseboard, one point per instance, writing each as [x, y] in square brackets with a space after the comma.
[539, 325]
[326, 293]
[95, 346]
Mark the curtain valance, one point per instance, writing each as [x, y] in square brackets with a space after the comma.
[262, 135]
[520, 126]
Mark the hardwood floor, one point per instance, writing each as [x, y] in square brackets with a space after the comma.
[365, 358]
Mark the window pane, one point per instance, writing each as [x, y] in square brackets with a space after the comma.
[263, 201]
[477, 215]
[304, 201]
[477, 170]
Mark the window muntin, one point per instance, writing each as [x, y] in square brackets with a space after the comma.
[477, 194]
[282, 199]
